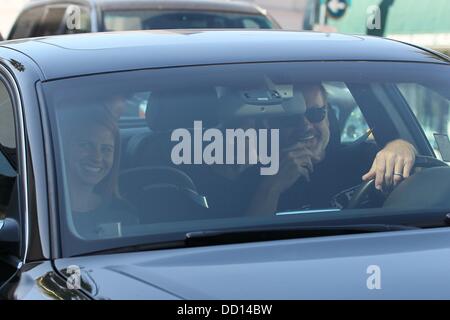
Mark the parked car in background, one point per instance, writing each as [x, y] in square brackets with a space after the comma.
[95, 206]
[53, 17]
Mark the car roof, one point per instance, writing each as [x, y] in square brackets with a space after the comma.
[207, 5]
[91, 53]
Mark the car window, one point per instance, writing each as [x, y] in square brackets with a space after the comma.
[134, 105]
[160, 19]
[7, 129]
[431, 108]
[228, 146]
[27, 22]
[7, 148]
[352, 123]
[52, 22]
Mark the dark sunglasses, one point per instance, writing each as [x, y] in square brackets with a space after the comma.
[316, 114]
[313, 114]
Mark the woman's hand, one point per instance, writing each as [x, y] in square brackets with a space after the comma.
[392, 164]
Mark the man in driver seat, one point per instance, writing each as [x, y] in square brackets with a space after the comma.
[314, 168]
[313, 165]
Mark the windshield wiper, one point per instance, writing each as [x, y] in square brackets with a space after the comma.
[242, 235]
[215, 237]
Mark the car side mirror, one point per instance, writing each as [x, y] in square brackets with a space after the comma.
[9, 235]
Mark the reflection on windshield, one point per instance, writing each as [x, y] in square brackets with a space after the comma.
[237, 141]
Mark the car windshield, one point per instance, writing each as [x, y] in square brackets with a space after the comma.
[121, 20]
[148, 156]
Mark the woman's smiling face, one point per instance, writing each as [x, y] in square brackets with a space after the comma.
[91, 154]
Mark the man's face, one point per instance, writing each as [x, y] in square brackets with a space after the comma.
[314, 135]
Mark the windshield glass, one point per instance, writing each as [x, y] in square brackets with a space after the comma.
[246, 145]
[120, 20]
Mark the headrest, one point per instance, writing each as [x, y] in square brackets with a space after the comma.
[169, 110]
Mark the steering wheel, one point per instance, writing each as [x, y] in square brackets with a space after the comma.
[139, 183]
[367, 188]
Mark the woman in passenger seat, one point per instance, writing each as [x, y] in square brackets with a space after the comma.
[92, 164]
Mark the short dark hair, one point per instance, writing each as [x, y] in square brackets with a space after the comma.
[314, 85]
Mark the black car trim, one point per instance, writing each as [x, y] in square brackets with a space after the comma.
[22, 158]
[235, 63]
[52, 189]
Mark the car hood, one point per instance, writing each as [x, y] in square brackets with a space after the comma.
[401, 265]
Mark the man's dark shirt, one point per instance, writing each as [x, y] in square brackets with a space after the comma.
[341, 170]
[226, 197]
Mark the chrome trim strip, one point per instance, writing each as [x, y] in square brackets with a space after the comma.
[306, 212]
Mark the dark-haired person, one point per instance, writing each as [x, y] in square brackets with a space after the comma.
[313, 171]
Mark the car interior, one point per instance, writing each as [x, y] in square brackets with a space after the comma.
[363, 117]
[149, 177]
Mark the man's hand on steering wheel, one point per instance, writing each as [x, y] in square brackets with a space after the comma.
[392, 164]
